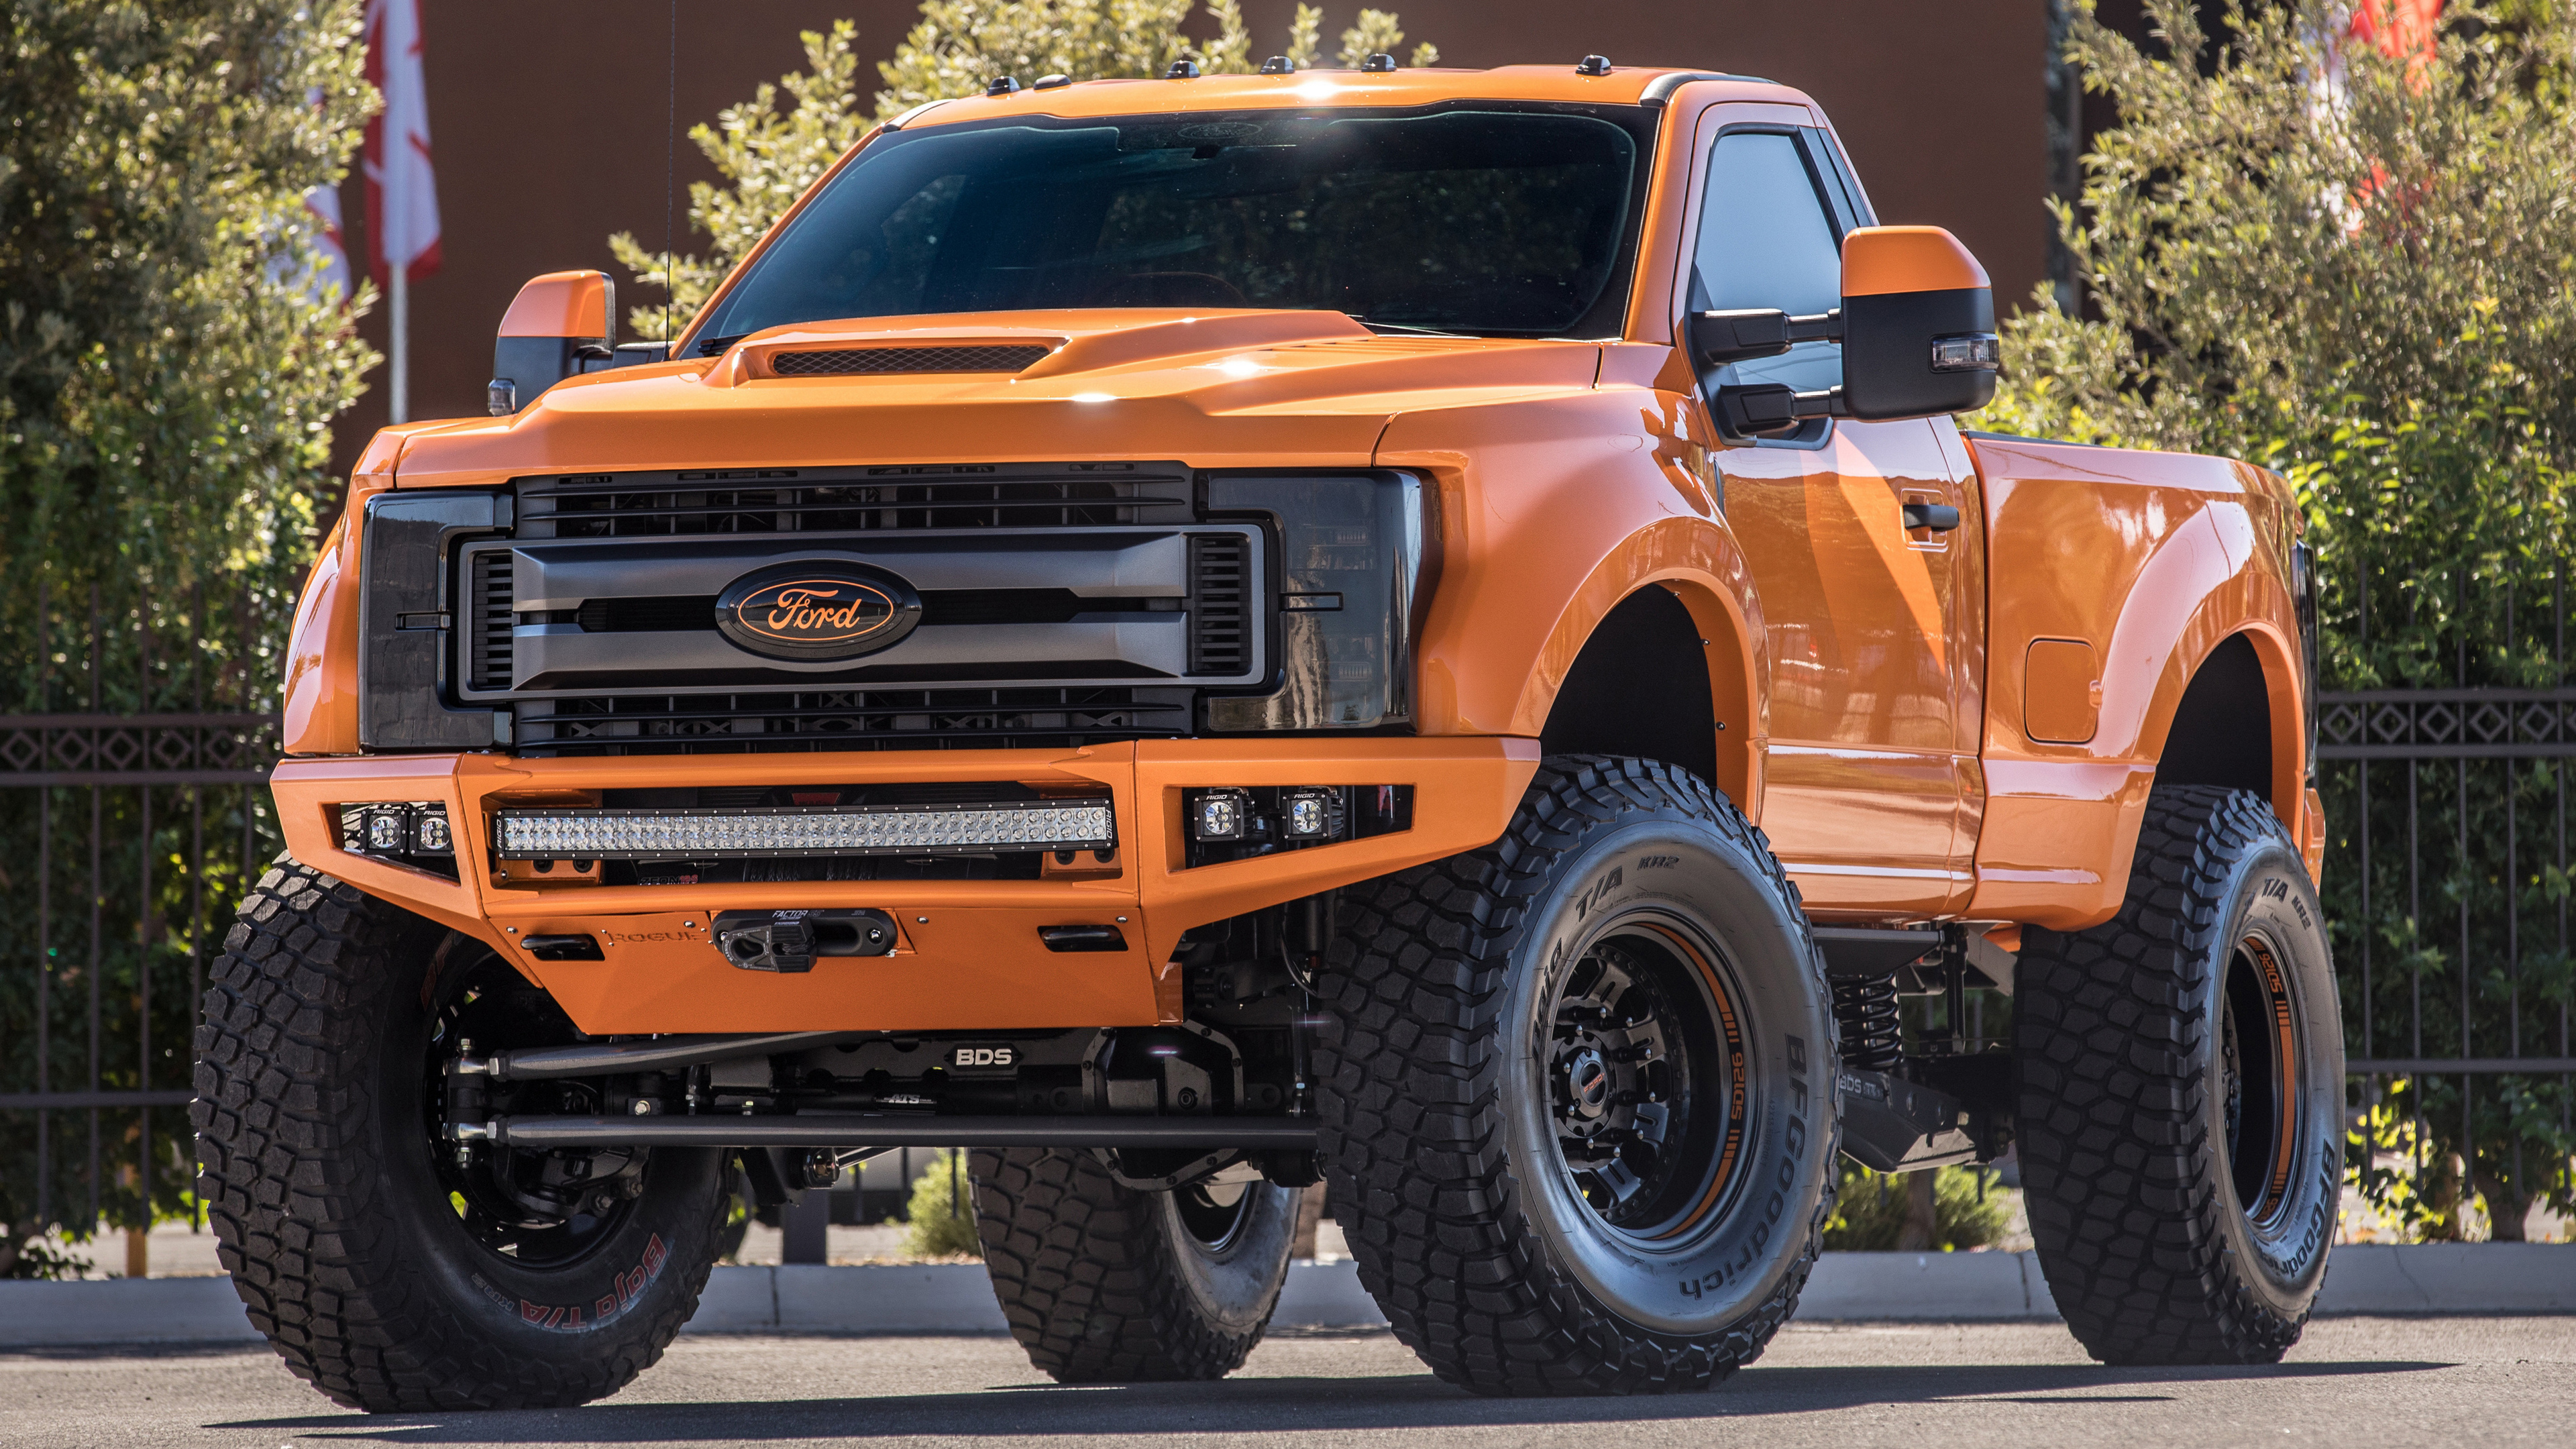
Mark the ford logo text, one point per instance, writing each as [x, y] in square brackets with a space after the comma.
[817, 610]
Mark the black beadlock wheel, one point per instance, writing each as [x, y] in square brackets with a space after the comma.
[1576, 1091]
[1103, 1283]
[387, 1272]
[2181, 1099]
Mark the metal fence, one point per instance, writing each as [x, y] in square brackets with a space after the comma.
[125, 839]
[130, 836]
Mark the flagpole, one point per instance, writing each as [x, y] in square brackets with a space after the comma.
[402, 343]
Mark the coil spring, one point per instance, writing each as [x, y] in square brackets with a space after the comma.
[1873, 1035]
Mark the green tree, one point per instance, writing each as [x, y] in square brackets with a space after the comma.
[167, 387]
[2360, 271]
[768, 157]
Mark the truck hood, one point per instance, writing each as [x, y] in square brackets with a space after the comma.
[1212, 389]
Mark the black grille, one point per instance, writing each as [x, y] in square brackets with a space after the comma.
[1220, 604]
[791, 500]
[853, 361]
[848, 719]
[488, 621]
[667, 613]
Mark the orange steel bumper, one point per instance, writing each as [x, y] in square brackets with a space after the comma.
[969, 958]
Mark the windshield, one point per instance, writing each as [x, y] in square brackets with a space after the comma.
[1487, 221]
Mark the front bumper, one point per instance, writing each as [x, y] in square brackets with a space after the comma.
[969, 957]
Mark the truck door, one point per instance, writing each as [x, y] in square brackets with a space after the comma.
[1872, 660]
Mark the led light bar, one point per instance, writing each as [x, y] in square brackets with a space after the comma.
[713, 834]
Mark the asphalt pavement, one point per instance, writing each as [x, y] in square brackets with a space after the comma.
[2380, 1382]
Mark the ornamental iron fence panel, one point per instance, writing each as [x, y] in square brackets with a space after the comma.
[2446, 881]
[128, 831]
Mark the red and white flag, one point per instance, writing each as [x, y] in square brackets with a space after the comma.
[402, 194]
[329, 280]
[331, 274]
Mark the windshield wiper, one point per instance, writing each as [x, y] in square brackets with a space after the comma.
[1406, 327]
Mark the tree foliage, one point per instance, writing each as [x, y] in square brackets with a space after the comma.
[166, 384]
[1870, 1210]
[769, 156]
[167, 388]
[940, 1216]
[2360, 270]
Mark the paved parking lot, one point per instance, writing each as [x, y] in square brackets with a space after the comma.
[2380, 1382]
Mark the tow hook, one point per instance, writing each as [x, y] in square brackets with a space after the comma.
[788, 941]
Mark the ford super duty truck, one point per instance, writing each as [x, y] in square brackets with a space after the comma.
[1431, 631]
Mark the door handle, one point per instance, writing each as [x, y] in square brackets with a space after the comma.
[1935, 517]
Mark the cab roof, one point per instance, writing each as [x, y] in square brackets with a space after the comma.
[1620, 85]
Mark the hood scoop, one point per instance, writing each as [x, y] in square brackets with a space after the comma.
[1071, 342]
[882, 360]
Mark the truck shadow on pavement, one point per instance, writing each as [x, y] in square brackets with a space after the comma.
[1288, 1404]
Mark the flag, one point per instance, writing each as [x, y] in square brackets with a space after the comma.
[331, 273]
[402, 194]
[329, 279]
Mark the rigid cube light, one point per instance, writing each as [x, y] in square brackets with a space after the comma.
[720, 834]
[1310, 814]
[429, 834]
[398, 829]
[1220, 814]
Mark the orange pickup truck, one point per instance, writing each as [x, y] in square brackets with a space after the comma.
[1428, 631]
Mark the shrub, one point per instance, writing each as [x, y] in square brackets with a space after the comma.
[1869, 1211]
[941, 1215]
[2359, 270]
[167, 388]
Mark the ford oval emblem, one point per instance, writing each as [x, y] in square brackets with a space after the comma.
[817, 610]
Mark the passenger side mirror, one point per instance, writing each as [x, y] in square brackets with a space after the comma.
[555, 326]
[1918, 325]
[1917, 328]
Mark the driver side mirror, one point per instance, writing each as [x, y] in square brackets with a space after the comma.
[1918, 325]
[1917, 328]
[561, 325]
[557, 323]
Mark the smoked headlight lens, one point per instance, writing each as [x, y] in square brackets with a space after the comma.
[1352, 573]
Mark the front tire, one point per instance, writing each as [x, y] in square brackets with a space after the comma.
[387, 1274]
[2181, 1094]
[1103, 1283]
[1577, 1103]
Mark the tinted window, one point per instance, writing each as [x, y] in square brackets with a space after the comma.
[1767, 240]
[1494, 222]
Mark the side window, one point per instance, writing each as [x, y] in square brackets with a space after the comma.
[1768, 239]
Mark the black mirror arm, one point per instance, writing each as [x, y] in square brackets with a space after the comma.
[1750, 411]
[1742, 334]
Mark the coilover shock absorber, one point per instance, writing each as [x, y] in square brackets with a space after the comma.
[1873, 1035]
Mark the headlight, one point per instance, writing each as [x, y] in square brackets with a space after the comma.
[1352, 571]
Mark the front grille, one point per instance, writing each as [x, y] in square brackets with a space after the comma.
[848, 719]
[1220, 604]
[907, 497]
[676, 613]
[859, 361]
[488, 622]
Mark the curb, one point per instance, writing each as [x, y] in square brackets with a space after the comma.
[2362, 1278]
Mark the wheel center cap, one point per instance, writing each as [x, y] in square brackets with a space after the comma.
[1587, 1079]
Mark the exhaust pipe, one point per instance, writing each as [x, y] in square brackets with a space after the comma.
[1267, 1134]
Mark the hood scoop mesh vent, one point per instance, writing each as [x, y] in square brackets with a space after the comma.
[869, 361]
